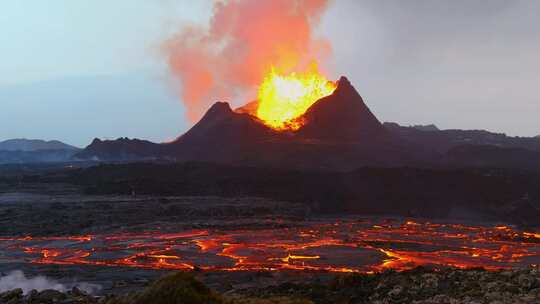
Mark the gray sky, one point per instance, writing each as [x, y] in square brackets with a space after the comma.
[458, 64]
[74, 70]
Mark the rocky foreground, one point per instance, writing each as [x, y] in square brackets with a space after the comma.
[415, 286]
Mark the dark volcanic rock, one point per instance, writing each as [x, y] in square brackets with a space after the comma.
[119, 150]
[221, 135]
[444, 140]
[493, 156]
[419, 285]
[11, 295]
[50, 296]
[342, 117]
[415, 286]
[487, 194]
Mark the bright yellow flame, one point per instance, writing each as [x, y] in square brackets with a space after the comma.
[284, 98]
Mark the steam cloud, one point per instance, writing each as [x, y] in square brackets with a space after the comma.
[243, 41]
[17, 279]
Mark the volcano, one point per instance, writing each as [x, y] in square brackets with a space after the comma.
[341, 117]
[338, 132]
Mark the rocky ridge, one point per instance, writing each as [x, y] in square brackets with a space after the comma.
[418, 286]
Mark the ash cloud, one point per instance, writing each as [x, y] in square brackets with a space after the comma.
[243, 41]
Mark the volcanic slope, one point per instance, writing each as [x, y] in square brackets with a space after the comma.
[339, 132]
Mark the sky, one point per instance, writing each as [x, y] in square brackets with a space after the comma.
[75, 70]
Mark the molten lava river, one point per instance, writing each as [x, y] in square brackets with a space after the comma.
[365, 245]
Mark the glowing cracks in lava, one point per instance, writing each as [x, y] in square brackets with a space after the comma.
[340, 246]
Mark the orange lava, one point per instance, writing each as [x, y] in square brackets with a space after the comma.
[340, 246]
[283, 99]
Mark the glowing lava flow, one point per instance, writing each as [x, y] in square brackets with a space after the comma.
[283, 99]
[341, 246]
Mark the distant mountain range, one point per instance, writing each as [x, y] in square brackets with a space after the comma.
[27, 145]
[35, 151]
[426, 127]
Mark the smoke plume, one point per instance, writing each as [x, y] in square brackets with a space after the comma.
[243, 41]
[17, 279]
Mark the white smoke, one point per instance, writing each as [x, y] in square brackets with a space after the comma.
[88, 288]
[17, 279]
